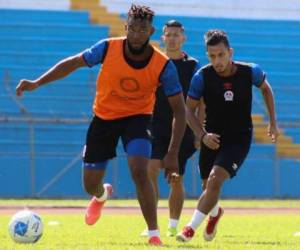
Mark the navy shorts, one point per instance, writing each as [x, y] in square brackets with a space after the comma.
[160, 145]
[230, 155]
[103, 136]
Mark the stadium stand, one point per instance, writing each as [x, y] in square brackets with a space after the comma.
[44, 132]
[31, 41]
[255, 9]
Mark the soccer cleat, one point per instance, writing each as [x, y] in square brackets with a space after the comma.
[144, 233]
[155, 241]
[94, 208]
[172, 232]
[186, 234]
[211, 227]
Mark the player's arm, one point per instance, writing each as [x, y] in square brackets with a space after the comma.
[201, 113]
[201, 117]
[179, 121]
[267, 93]
[89, 57]
[172, 88]
[193, 105]
[58, 71]
[260, 81]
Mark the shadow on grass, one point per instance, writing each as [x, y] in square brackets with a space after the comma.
[142, 244]
[233, 239]
[253, 242]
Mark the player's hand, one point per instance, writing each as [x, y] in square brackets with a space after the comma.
[170, 164]
[25, 85]
[273, 132]
[211, 140]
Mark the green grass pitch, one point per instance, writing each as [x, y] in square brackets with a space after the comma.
[112, 232]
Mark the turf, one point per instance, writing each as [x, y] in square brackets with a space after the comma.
[114, 232]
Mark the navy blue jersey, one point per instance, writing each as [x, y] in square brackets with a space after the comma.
[228, 99]
[163, 115]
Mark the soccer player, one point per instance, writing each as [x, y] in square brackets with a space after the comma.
[173, 38]
[226, 87]
[131, 71]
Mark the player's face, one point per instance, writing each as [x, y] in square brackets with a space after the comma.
[173, 38]
[138, 33]
[220, 57]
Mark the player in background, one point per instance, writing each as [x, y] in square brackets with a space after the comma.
[131, 71]
[173, 38]
[226, 87]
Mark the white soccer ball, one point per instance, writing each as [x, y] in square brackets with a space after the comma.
[25, 227]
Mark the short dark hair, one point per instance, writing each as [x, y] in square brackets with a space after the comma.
[214, 37]
[141, 12]
[173, 23]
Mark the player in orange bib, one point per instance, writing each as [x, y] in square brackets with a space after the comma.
[131, 71]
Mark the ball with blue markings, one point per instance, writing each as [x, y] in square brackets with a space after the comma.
[26, 227]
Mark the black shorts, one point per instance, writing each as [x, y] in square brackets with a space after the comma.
[230, 155]
[160, 145]
[103, 136]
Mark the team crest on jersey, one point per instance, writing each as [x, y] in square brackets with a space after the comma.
[227, 85]
[228, 95]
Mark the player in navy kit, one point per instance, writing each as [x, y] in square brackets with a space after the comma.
[173, 38]
[226, 87]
